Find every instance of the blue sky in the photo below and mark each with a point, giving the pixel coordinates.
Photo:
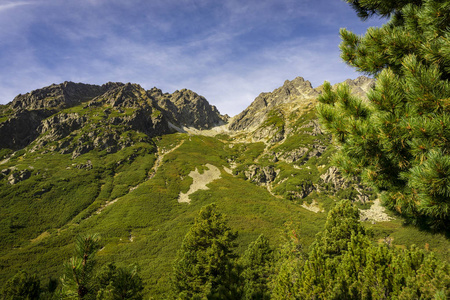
(226, 50)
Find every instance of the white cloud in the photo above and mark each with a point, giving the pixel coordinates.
(10, 5)
(99, 46)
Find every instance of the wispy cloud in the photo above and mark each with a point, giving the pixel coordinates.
(10, 5)
(227, 51)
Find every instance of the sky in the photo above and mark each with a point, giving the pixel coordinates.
(228, 51)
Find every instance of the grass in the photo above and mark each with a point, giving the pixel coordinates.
(41, 216)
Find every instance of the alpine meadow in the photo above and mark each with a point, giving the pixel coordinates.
(332, 192)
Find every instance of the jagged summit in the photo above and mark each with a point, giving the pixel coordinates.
(296, 92)
(61, 110)
(188, 109)
(59, 96)
(253, 115)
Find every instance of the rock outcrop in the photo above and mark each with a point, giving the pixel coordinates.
(296, 92)
(59, 96)
(21, 128)
(81, 117)
(255, 114)
(185, 108)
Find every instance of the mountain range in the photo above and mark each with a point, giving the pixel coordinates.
(136, 165)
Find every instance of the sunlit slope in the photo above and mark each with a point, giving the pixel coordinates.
(146, 224)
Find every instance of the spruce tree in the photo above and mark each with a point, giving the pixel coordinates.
(204, 264)
(399, 140)
(115, 283)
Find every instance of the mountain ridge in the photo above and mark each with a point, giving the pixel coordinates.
(118, 163)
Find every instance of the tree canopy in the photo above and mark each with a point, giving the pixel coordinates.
(204, 264)
(399, 140)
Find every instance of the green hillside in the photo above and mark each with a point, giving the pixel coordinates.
(130, 197)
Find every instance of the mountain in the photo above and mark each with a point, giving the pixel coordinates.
(136, 166)
(293, 93)
(99, 115)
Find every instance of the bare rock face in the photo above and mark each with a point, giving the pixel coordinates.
(125, 108)
(255, 114)
(261, 175)
(101, 115)
(333, 176)
(186, 108)
(293, 91)
(360, 86)
(59, 96)
(21, 128)
(29, 110)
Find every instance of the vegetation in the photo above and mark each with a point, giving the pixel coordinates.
(22, 286)
(257, 265)
(343, 263)
(77, 281)
(128, 194)
(398, 141)
(204, 264)
(146, 223)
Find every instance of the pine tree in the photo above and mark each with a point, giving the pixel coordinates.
(344, 264)
(115, 283)
(204, 264)
(257, 263)
(77, 281)
(22, 286)
(326, 251)
(288, 267)
(399, 140)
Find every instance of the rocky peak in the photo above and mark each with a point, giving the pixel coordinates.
(186, 108)
(294, 92)
(126, 95)
(361, 85)
(255, 114)
(60, 96)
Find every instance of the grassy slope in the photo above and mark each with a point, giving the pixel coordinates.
(150, 214)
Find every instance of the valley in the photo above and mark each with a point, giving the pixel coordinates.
(137, 166)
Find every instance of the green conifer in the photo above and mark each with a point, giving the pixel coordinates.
(204, 264)
(257, 263)
(77, 281)
(22, 286)
(115, 283)
(344, 264)
(399, 140)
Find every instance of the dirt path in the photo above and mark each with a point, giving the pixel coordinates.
(160, 158)
(200, 181)
(158, 163)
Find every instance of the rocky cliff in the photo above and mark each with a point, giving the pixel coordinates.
(255, 114)
(295, 162)
(185, 108)
(80, 117)
(298, 92)
(59, 96)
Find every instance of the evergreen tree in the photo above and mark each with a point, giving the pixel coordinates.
(344, 264)
(399, 140)
(204, 264)
(77, 281)
(257, 263)
(288, 268)
(326, 251)
(119, 283)
(22, 286)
